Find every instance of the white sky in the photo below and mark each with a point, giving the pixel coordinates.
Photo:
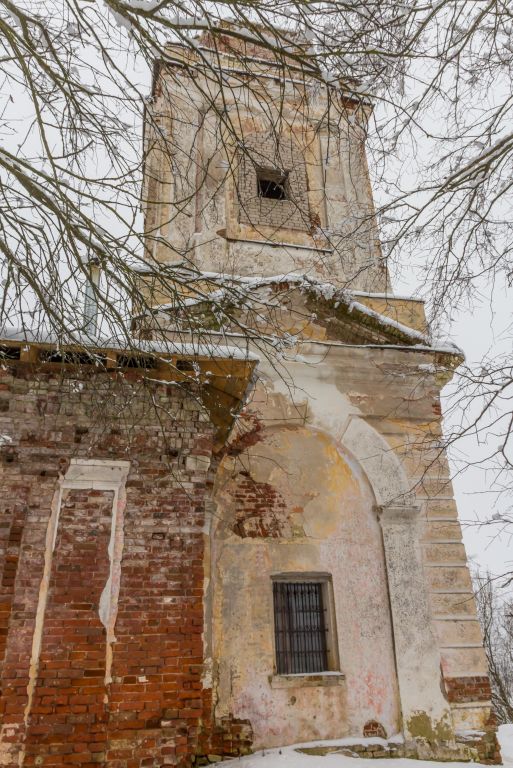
(491, 547)
(482, 328)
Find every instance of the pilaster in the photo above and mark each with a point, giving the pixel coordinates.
(426, 714)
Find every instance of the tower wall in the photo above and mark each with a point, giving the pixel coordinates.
(203, 154)
(393, 552)
(339, 358)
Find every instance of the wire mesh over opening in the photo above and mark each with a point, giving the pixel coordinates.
(300, 627)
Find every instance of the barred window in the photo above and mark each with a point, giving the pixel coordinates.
(301, 627)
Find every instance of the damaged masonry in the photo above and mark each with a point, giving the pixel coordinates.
(239, 554)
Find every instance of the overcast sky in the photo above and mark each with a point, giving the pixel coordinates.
(482, 332)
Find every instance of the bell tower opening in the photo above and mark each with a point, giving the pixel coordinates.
(272, 184)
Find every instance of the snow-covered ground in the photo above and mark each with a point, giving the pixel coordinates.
(506, 740)
(289, 757)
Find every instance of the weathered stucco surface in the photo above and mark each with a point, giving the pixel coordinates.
(339, 474)
(210, 225)
(337, 466)
(326, 523)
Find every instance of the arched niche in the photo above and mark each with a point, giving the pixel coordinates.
(378, 460)
(295, 501)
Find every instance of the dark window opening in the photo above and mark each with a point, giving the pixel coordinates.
(185, 365)
(300, 627)
(272, 185)
(9, 353)
(136, 361)
(72, 358)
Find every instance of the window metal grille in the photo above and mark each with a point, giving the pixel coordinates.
(300, 627)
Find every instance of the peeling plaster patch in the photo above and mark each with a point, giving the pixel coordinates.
(51, 536)
(332, 412)
(435, 732)
(108, 608)
(85, 474)
(328, 408)
(207, 672)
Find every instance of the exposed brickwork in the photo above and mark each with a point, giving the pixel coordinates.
(462, 690)
(261, 511)
(229, 737)
(485, 748)
(11, 530)
(152, 713)
(69, 711)
(264, 151)
(249, 432)
(374, 728)
(465, 689)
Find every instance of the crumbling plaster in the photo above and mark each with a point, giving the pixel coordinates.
(344, 465)
(207, 228)
(338, 464)
(328, 525)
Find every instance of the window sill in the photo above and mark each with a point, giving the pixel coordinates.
(310, 680)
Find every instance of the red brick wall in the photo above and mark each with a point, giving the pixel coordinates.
(261, 511)
(465, 689)
(11, 530)
(151, 714)
(69, 713)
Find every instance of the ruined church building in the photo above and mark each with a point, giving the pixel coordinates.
(178, 585)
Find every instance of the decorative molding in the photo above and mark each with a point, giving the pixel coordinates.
(317, 680)
(399, 514)
(94, 474)
(383, 468)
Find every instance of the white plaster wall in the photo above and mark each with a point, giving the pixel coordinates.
(329, 526)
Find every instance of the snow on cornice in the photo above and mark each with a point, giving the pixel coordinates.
(168, 347)
(324, 290)
(388, 296)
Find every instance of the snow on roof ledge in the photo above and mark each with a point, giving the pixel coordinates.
(389, 321)
(186, 349)
(388, 296)
(324, 290)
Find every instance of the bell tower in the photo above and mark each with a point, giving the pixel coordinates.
(333, 519)
(266, 176)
